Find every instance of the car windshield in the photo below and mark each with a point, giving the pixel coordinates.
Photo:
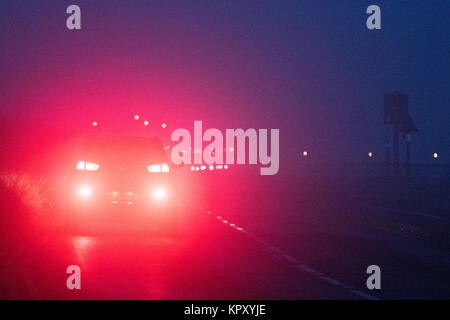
(124, 150)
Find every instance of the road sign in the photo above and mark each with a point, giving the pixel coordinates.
(396, 108)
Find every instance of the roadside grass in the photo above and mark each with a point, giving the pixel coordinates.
(22, 200)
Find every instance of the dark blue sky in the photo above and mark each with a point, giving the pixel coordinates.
(310, 68)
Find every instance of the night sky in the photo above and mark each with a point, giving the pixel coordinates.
(310, 68)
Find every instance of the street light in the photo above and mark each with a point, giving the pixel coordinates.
(305, 153)
(435, 155)
(370, 154)
(136, 117)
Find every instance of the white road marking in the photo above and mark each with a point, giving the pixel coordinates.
(279, 254)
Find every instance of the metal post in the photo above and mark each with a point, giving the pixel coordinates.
(388, 157)
(407, 160)
(396, 148)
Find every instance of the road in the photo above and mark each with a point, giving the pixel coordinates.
(219, 259)
(299, 247)
(215, 261)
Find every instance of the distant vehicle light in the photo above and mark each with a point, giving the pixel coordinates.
(146, 123)
(95, 123)
(85, 191)
(88, 166)
(164, 125)
(159, 193)
(136, 117)
(160, 167)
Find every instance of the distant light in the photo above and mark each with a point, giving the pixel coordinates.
(370, 154)
(305, 153)
(197, 168)
(225, 167)
(192, 168)
(202, 167)
(146, 123)
(435, 155)
(211, 167)
(164, 125)
(95, 123)
(136, 117)
(231, 149)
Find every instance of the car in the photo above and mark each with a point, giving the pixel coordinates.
(121, 180)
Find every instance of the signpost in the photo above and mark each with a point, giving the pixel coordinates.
(396, 113)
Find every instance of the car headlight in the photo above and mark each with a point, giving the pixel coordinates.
(85, 191)
(89, 166)
(159, 193)
(160, 167)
